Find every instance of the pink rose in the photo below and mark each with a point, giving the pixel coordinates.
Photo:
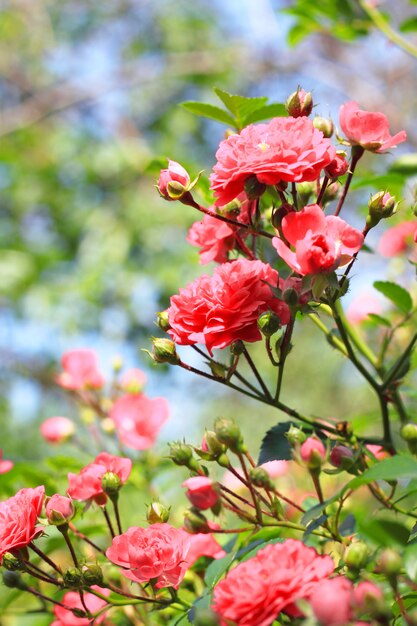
(321, 243)
(80, 370)
(201, 492)
(332, 602)
(157, 552)
(275, 469)
(59, 509)
(366, 595)
(338, 167)
(366, 129)
(203, 544)
(57, 429)
(175, 173)
(221, 309)
(285, 149)
(139, 419)
(214, 238)
(359, 309)
(254, 592)
(72, 599)
(5, 466)
(133, 380)
(396, 240)
(87, 484)
(312, 448)
(18, 517)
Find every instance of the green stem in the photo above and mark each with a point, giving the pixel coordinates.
(256, 373)
(334, 341)
(108, 521)
(381, 23)
(357, 152)
(284, 351)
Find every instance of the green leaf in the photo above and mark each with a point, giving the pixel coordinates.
(240, 106)
(409, 25)
(384, 532)
(393, 468)
(410, 561)
(275, 445)
(397, 294)
(217, 568)
(209, 110)
(266, 112)
(406, 164)
(378, 320)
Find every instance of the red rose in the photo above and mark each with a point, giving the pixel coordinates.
(157, 552)
(395, 240)
(223, 308)
(73, 601)
(200, 492)
(332, 601)
(87, 484)
(139, 419)
(257, 590)
(321, 243)
(285, 149)
(80, 370)
(366, 129)
(18, 517)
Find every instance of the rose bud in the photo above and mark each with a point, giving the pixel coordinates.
(324, 124)
(182, 454)
(269, 323)
(214, 446)
(57, 429)
(367, 597)
(409, 434)
(111, 484)
(12, 562)
(195, 522)
(332, 601)
(73, 578)
(338, 167)
(381, 205)
(201, 492)
(356, 555)
(389, 563)
(341, 457)
(253, 188)
(299, 103)
(162, 320)
(228, 432)
(13, 580)
(157, 513)
(164, 351)
(260, 478)
(59, 510)
(92, 575)
(173, 182)
(295, 435)
(313, 453)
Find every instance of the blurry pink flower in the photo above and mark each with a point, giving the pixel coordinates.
(57, 429)
(397, 239)
(201, 492)
(378, 451)
(139, 419)
(321, 243)
(80, 370)
(18, 517)
(365, 595)
(5, 466)
(361, 306)
(275, 469)
(367, 129)
(203, 544)
(175, 173)
(332, 602)
(157, 552)
(133, 380)
(87, 484)
(72, 600)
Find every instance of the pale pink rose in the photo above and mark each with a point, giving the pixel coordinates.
(359, 308)
(201, 492)
(133, 380)
(18, 517)
(367, 129)
(275, 469)
(139, 419)
(157, 552)
(57, 429)
(397, 239)
(332, 602)
(87, 484)
(80, 370)
(5, 466)
(72, 599)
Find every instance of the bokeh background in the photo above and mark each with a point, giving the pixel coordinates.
(90, 94)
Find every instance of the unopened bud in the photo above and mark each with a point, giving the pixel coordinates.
(182, 454)
(231, 209)
(276, 507)
(356, 555)
(332, 192)
(338, 167)
(389, 563)
(13, 580)
(162, 320)
(214, 446)
(299, 103)
(253, 188)
(157, 513)
(342, 457)
(260, 478)
(92, 575)
(59, 510)
(409, 432)
(237, 347)
(228, 432)
(291, 297)
(313, 453)
(164, 351)
(268, 323)
(381, 206)
(223, 460)
(173, 182)
(73, 578)
(324, 124)
(295, 435)
(111, 483)
(218, 369)
(195, 522)
(12, 563)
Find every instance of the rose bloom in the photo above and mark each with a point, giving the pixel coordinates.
(321, 243)
(257, 590)
(57, 429)
(72, 600)
(157, 552)
(214, 238)
(87, 484)
(133, 380)
(174, 173)
(80, 370)
(359, 309)
(367, 129)
(203, 544)
(200, 492)
(139, 419)
(332, 602)
(285, 149)
(220, 309)
(5, 466)
(397, 239)
(18, 517)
